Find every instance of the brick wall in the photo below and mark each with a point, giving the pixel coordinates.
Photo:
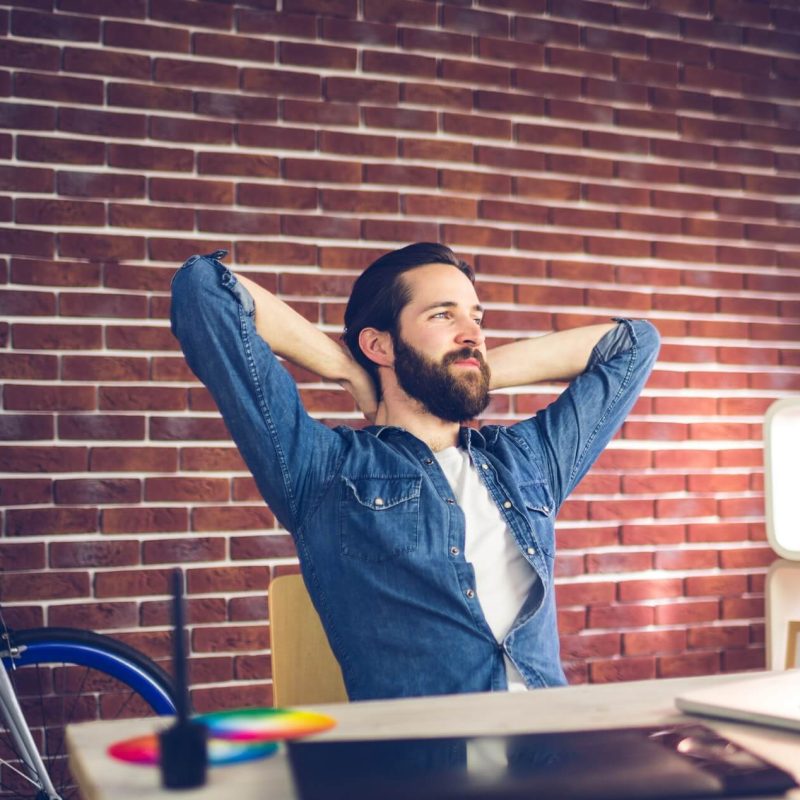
(590, 158)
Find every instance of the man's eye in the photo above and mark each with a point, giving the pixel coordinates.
(478, 322)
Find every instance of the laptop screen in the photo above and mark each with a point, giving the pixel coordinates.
(674, 761)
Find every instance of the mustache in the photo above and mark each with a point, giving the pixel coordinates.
(464, 353)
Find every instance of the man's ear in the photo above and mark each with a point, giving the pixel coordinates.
(377, 346)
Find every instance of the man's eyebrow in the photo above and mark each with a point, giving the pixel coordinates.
(450, 304)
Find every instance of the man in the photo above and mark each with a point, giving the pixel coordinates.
(427, 547)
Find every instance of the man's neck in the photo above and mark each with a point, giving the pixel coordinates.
(437, 433)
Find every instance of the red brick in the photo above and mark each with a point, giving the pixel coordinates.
(144, 520)
(550, 295)
(590, 645)
(649, 589)
(227, 579)
(231, 518)
(190, 191)
(54, 26)
(25, 491)
(688, 664)
(188, 550)
(275, 253)
(202, 14)
(198, 610)
(66, 555)
(100, 426)
(622, 669)
(27, 243)
(240, 48)
(106, 62)
(229, 106)
(620, 616)
(649, 643)
(99, 246)
(260, 547)
(58, 212)
(691, 611)
(738, 660)
(97, 490)
(589, 594)
(210, 670)
(22, 556)
(58, 87)
(549, 242)
(44, 586)
(140, 157)
(364, 33)
(358, 90)
(136, 36)
(32, 148)
(28, 367)
(245, 489)
(151, 97)
(133, 459)
(437, 41)
(30, 55)
(131, 583)
(49, 521)
(236, 222)
(400, 231)
(618, 562)
(429, 94)
(185, 130)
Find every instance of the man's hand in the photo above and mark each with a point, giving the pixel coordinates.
(360, 386)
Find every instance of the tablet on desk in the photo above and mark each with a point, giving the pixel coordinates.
(679, 761)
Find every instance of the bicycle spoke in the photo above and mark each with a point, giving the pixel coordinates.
(60, 676)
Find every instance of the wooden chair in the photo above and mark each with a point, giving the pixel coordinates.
(304, 669)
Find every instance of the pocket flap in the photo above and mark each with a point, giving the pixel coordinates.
(380, 494)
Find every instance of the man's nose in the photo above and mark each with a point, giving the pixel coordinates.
(471, 333)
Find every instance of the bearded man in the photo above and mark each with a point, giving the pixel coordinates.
(427, 547)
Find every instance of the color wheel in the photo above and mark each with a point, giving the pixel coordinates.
(234, 736)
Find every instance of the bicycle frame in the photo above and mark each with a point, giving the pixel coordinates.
(20, 733)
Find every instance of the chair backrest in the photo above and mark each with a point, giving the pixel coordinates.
(304, 669)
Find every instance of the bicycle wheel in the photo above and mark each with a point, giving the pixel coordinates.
(65, 675)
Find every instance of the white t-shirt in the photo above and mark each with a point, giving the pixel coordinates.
(503, 577)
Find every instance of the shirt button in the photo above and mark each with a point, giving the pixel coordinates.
(450, 501)
(531, 551)
(507, 504)
(470, 593)
(454, 551)
(428, 461)
(378, 501)
(484, 466)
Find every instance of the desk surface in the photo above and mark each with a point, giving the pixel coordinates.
(568, 708)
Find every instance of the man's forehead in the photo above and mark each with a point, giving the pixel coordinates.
(440, 284)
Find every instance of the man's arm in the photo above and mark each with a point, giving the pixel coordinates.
(294, 338)
(556, 356)
(571, 431)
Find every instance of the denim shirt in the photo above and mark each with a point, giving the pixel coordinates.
(378, 532)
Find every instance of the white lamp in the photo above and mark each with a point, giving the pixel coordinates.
(782, 476)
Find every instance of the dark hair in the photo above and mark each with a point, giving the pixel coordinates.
(379, 294)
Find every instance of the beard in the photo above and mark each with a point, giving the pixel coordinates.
(443, 393)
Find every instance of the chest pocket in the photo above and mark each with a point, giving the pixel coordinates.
(539, 509)
(379, 517)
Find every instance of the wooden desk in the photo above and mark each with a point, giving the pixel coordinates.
(568, 708)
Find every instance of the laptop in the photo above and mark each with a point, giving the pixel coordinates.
(772, 700)
(656, 763)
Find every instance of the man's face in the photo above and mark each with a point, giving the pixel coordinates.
(439, 348)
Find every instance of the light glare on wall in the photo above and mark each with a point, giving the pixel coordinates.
(782, 476)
